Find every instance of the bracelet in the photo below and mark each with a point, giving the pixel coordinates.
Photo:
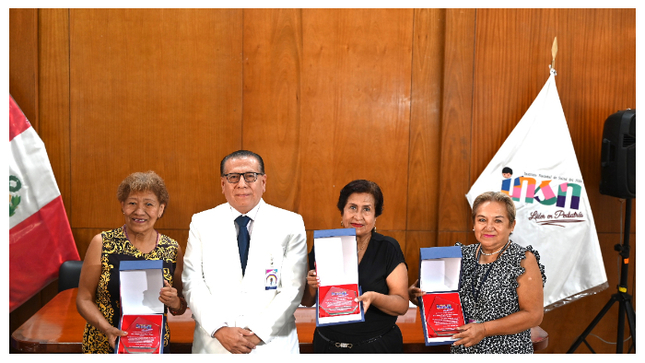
(182, 307)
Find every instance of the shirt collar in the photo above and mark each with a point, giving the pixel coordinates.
(251, 214)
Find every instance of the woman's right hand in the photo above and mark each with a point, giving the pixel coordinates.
(309, 297)
(414, 292)
(312, 279)
(112, 333)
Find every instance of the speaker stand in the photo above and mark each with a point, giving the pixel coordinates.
(624, 300)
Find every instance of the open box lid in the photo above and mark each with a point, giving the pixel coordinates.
(141, 281)
(336, 256)
(440, 269)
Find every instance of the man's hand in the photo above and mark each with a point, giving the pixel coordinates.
(253, 339)
(236, 340)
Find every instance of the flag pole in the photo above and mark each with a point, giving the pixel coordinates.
(554, 52)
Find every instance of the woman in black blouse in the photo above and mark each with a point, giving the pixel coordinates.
(383, 278)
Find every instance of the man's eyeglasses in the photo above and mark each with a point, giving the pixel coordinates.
(249, 177)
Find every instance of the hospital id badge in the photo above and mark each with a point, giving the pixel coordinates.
(271, 279)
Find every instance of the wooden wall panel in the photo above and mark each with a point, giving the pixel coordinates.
(600, 80)
(83, 236)
(153, 90)
(456, 121)
(272, 87)
(425, 120)
(23, 61)
(355, 110)
(54, 97)
(510, 53)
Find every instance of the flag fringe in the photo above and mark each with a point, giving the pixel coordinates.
(578, 296)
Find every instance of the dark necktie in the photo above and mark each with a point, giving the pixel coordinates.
(243, 239)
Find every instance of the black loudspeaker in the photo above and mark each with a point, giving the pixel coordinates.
(618, 155)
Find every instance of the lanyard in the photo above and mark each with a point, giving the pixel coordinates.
(490, 266)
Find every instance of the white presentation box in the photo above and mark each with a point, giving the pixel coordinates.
(141, 311)
(439, 276)
(337, 269)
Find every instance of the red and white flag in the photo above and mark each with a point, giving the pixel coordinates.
(538, 168)
(40, 238)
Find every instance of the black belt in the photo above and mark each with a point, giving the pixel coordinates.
(351, 345)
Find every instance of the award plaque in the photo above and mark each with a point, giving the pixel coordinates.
(142, 311)
(439, 279)
(339, 301)
(143, 336)
(443, 315)
(336, 261)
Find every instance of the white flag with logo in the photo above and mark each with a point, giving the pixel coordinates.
(538, 168)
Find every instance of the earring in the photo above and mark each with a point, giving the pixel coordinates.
(341, 224)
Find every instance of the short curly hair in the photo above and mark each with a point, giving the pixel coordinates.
(141, 182)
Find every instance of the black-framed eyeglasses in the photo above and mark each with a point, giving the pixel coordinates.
(249, 177)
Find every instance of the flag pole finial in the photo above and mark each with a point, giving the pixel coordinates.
(554, 52)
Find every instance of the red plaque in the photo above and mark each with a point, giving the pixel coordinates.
(443, 314)
(144, 336)
(338, 300)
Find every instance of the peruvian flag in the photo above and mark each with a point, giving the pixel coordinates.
(40, 238)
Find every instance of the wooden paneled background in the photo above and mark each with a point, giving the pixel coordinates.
(418, 100)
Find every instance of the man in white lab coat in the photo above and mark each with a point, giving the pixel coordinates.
(245, 306)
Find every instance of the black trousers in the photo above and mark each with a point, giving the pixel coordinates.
(390, 342)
